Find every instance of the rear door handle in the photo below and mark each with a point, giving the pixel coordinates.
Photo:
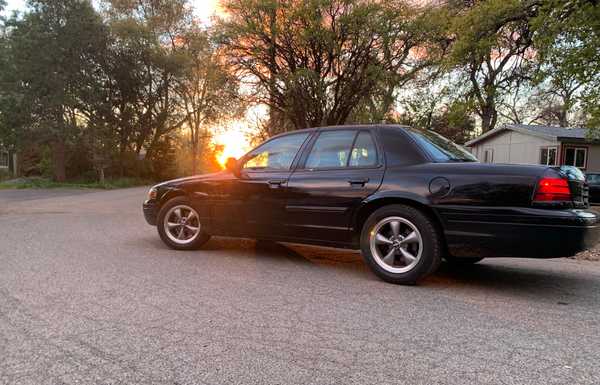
(358, 182)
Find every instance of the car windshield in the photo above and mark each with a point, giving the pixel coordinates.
(440, 148)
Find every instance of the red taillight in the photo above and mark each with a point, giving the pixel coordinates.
(552, 190)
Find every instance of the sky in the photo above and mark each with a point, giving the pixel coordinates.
(13, 5)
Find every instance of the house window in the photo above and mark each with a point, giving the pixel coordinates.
(576, 156)
(548, 156)
(488, 155)
(4, 159)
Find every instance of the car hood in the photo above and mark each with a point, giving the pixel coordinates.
(196, 178)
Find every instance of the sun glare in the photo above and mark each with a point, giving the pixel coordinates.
(205, 9)
(234, 142)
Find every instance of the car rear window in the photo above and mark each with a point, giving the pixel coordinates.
(439, 148)
(331, 150)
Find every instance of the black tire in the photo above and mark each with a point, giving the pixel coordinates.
(198, 241)
(467, 261)
(431, 243)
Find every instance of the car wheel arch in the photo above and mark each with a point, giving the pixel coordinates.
(371, 206)
(170, 194)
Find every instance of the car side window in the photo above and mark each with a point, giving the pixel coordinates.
(364, 153)
(331, 149)
(276, 154)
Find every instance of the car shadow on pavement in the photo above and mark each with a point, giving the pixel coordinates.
(544, 282)
(301, 255)
(561, 286)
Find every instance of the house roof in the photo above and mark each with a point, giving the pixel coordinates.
(546, 132)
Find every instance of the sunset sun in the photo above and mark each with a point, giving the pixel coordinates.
(234, 142)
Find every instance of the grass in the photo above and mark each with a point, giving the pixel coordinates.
(42, 183)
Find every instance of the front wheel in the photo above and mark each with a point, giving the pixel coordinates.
(401, 244)
(179, 225)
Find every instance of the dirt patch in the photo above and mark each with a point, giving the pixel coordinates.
(589, 255)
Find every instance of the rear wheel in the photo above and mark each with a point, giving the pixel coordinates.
(179, 225)
(401, 244)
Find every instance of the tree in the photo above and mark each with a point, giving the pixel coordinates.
(568, 41)
(312, 62)
(53, 67)
(439, 110)
(207, 92)
(143, 67)
(492, 48)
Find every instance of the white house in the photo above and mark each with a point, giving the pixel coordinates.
(533, 144)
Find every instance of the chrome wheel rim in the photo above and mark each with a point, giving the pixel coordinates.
(182, 224)
(396, 244)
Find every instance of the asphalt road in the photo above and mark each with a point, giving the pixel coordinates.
(89, 295)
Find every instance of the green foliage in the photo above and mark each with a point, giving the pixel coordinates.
(45, 163)
(568, 40)
(436, 110)
(491, 48)
(102, 90)
(52, 76)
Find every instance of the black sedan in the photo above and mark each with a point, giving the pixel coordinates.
(406, 198)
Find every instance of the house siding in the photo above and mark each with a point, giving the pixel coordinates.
(514, 147)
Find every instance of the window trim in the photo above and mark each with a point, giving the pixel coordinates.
(310, 146)
(245, 158)
(7, 160)
(575, 147)
(556, 159)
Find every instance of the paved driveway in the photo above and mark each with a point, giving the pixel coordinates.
(88, 294)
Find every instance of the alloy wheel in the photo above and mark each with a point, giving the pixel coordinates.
(182, 224)
(396, 244)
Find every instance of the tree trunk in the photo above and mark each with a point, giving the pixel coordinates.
(58, 160)
(489, 117)
(194, 159)
(121, 163)
(563, 120)
(272, 128)
(101, 177)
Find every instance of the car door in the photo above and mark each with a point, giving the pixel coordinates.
(253, 204)
(339, 169)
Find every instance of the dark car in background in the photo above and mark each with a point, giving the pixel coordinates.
(593, 181)
(406, 198)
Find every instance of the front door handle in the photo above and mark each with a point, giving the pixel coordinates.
(274, 183)
(358, 182)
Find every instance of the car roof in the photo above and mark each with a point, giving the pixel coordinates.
(343, 127)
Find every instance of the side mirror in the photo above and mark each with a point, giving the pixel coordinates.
(231, 165)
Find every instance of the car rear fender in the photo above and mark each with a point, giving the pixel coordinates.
(383, 198)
